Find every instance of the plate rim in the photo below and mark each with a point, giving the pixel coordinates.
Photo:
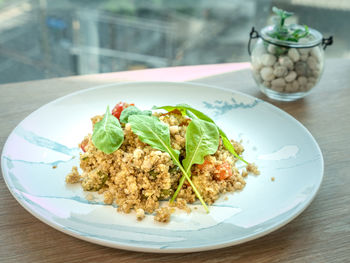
(139, 248)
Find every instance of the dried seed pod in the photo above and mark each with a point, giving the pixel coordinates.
(267, 73)
(293, 54)
(268, 59)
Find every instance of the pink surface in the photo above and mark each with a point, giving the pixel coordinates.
(175, 74)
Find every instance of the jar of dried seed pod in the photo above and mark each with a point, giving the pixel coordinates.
(286, 70)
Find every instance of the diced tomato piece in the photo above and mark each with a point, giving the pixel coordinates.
(223, 171)
(185, 122)
(117, 110)
(204, 164)
(186, 183)
(83, 144)
(175, 111)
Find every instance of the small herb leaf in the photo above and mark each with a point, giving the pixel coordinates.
(132, 110)
(202, 139)
(108, 135)
(153, 132)
(171, 108)
(282, 13)
(284, 32)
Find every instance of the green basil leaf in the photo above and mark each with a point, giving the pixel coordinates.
(171, 108)
(188, 110)
(202, 139)
(132, 110)
(108, 135)
(152, 131)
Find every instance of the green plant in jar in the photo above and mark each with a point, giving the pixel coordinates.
(286, 33)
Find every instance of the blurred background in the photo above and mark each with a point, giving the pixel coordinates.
(48, 38)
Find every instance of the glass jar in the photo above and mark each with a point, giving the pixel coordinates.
(286, 70)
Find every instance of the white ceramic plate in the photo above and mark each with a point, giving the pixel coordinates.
(280, 146)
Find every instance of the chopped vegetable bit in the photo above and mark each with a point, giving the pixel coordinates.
(176, 111)
(223, 171)
(153, 174)
(94, 180)
(165, 193)
(83, 144)
(204, 164)
(117, 110)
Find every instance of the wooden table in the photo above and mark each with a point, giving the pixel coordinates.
(320, 234)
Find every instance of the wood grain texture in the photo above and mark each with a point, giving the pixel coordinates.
(320, 234)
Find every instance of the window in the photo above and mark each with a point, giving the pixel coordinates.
(47, 38)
